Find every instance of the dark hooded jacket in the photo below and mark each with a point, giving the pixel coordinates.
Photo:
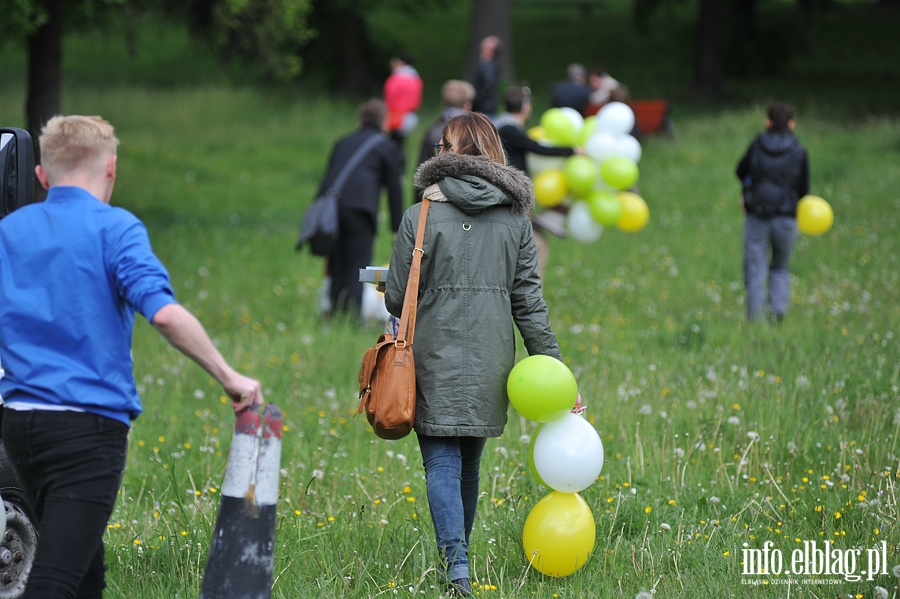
(775, 174)
(479, 276)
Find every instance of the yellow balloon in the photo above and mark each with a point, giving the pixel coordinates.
(550, 188)
(635, 213)
(537, 133)
(559, 534)
(814, 215)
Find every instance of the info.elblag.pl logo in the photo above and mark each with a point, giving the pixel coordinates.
(815, 559)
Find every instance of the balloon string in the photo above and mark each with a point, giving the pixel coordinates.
(579, 408)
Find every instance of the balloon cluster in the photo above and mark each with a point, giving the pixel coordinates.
(565, 455)
(597, 181)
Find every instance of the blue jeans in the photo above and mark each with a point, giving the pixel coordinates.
(451, 479)
(71, 465)
(762, 235)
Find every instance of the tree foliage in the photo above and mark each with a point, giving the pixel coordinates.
(268, 33)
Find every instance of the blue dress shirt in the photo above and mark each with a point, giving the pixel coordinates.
(73, 271)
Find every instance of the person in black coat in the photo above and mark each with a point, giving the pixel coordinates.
(517, 144)
(358, 205)
(573, 92)
(774, 173)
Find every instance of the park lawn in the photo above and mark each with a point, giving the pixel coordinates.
(719, 436)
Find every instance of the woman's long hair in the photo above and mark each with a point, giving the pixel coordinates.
(474, 134)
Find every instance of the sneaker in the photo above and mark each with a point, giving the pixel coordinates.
(461, 587)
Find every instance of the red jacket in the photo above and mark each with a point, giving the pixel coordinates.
(402, 95)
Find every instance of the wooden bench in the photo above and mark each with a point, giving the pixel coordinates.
(653, 117)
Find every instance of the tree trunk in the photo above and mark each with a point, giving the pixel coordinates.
(45, 70)
(708, 68)
(357, 77)
(44, 96)
(491, 17)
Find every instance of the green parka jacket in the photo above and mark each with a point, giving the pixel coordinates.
(479, 276)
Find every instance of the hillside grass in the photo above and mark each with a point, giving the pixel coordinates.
(717, 433)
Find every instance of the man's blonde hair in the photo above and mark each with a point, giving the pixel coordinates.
(456, 93)
(75, 142)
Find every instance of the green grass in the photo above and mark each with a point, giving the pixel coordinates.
(651, 324)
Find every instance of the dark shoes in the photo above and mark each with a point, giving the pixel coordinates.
(461, 587)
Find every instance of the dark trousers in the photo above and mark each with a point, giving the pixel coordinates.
(353, 251)
(71, 465)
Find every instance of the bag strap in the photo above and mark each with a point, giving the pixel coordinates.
(407, 326)
(354, 161)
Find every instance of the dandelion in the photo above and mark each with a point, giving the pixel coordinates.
(896, 571)
(881, 593)
(525, 439)
(318, 474)
(645, 410)
(753, 436)
(665, 527)
(679, 452)
(714, 500)
(644, 595)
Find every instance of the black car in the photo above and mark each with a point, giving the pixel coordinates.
(18, 534)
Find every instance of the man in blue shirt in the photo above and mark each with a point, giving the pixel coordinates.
(73, 271)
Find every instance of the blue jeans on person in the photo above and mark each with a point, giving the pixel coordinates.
(451, 479)
(775, 234)
(70, 465)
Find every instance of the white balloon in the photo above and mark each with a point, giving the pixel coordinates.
(575, 117)
(537, 163)
(581, 224)
(628, 147)
(616, 118)
(568, 454)
(601, 145)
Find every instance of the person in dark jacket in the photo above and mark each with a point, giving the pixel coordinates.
(486, 77)
(774, 173)
(478, 277)
(573, 92)
(358, 205)
(517, 143)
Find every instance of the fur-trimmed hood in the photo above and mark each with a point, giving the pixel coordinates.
(452, 173)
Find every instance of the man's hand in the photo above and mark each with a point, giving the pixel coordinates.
(243, 391)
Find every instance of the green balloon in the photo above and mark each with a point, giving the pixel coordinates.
(542, 388)
(619, 173)
(559, 128)
(606, 208)
(587, 130)
(531, 465)
(581, 174)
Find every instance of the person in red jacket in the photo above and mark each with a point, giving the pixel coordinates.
(402, 97)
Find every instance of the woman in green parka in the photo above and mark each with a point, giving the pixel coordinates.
(479, 276)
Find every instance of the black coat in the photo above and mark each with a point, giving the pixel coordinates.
(775, 174)
(382, 167)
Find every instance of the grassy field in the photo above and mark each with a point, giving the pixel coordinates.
(719, 436)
